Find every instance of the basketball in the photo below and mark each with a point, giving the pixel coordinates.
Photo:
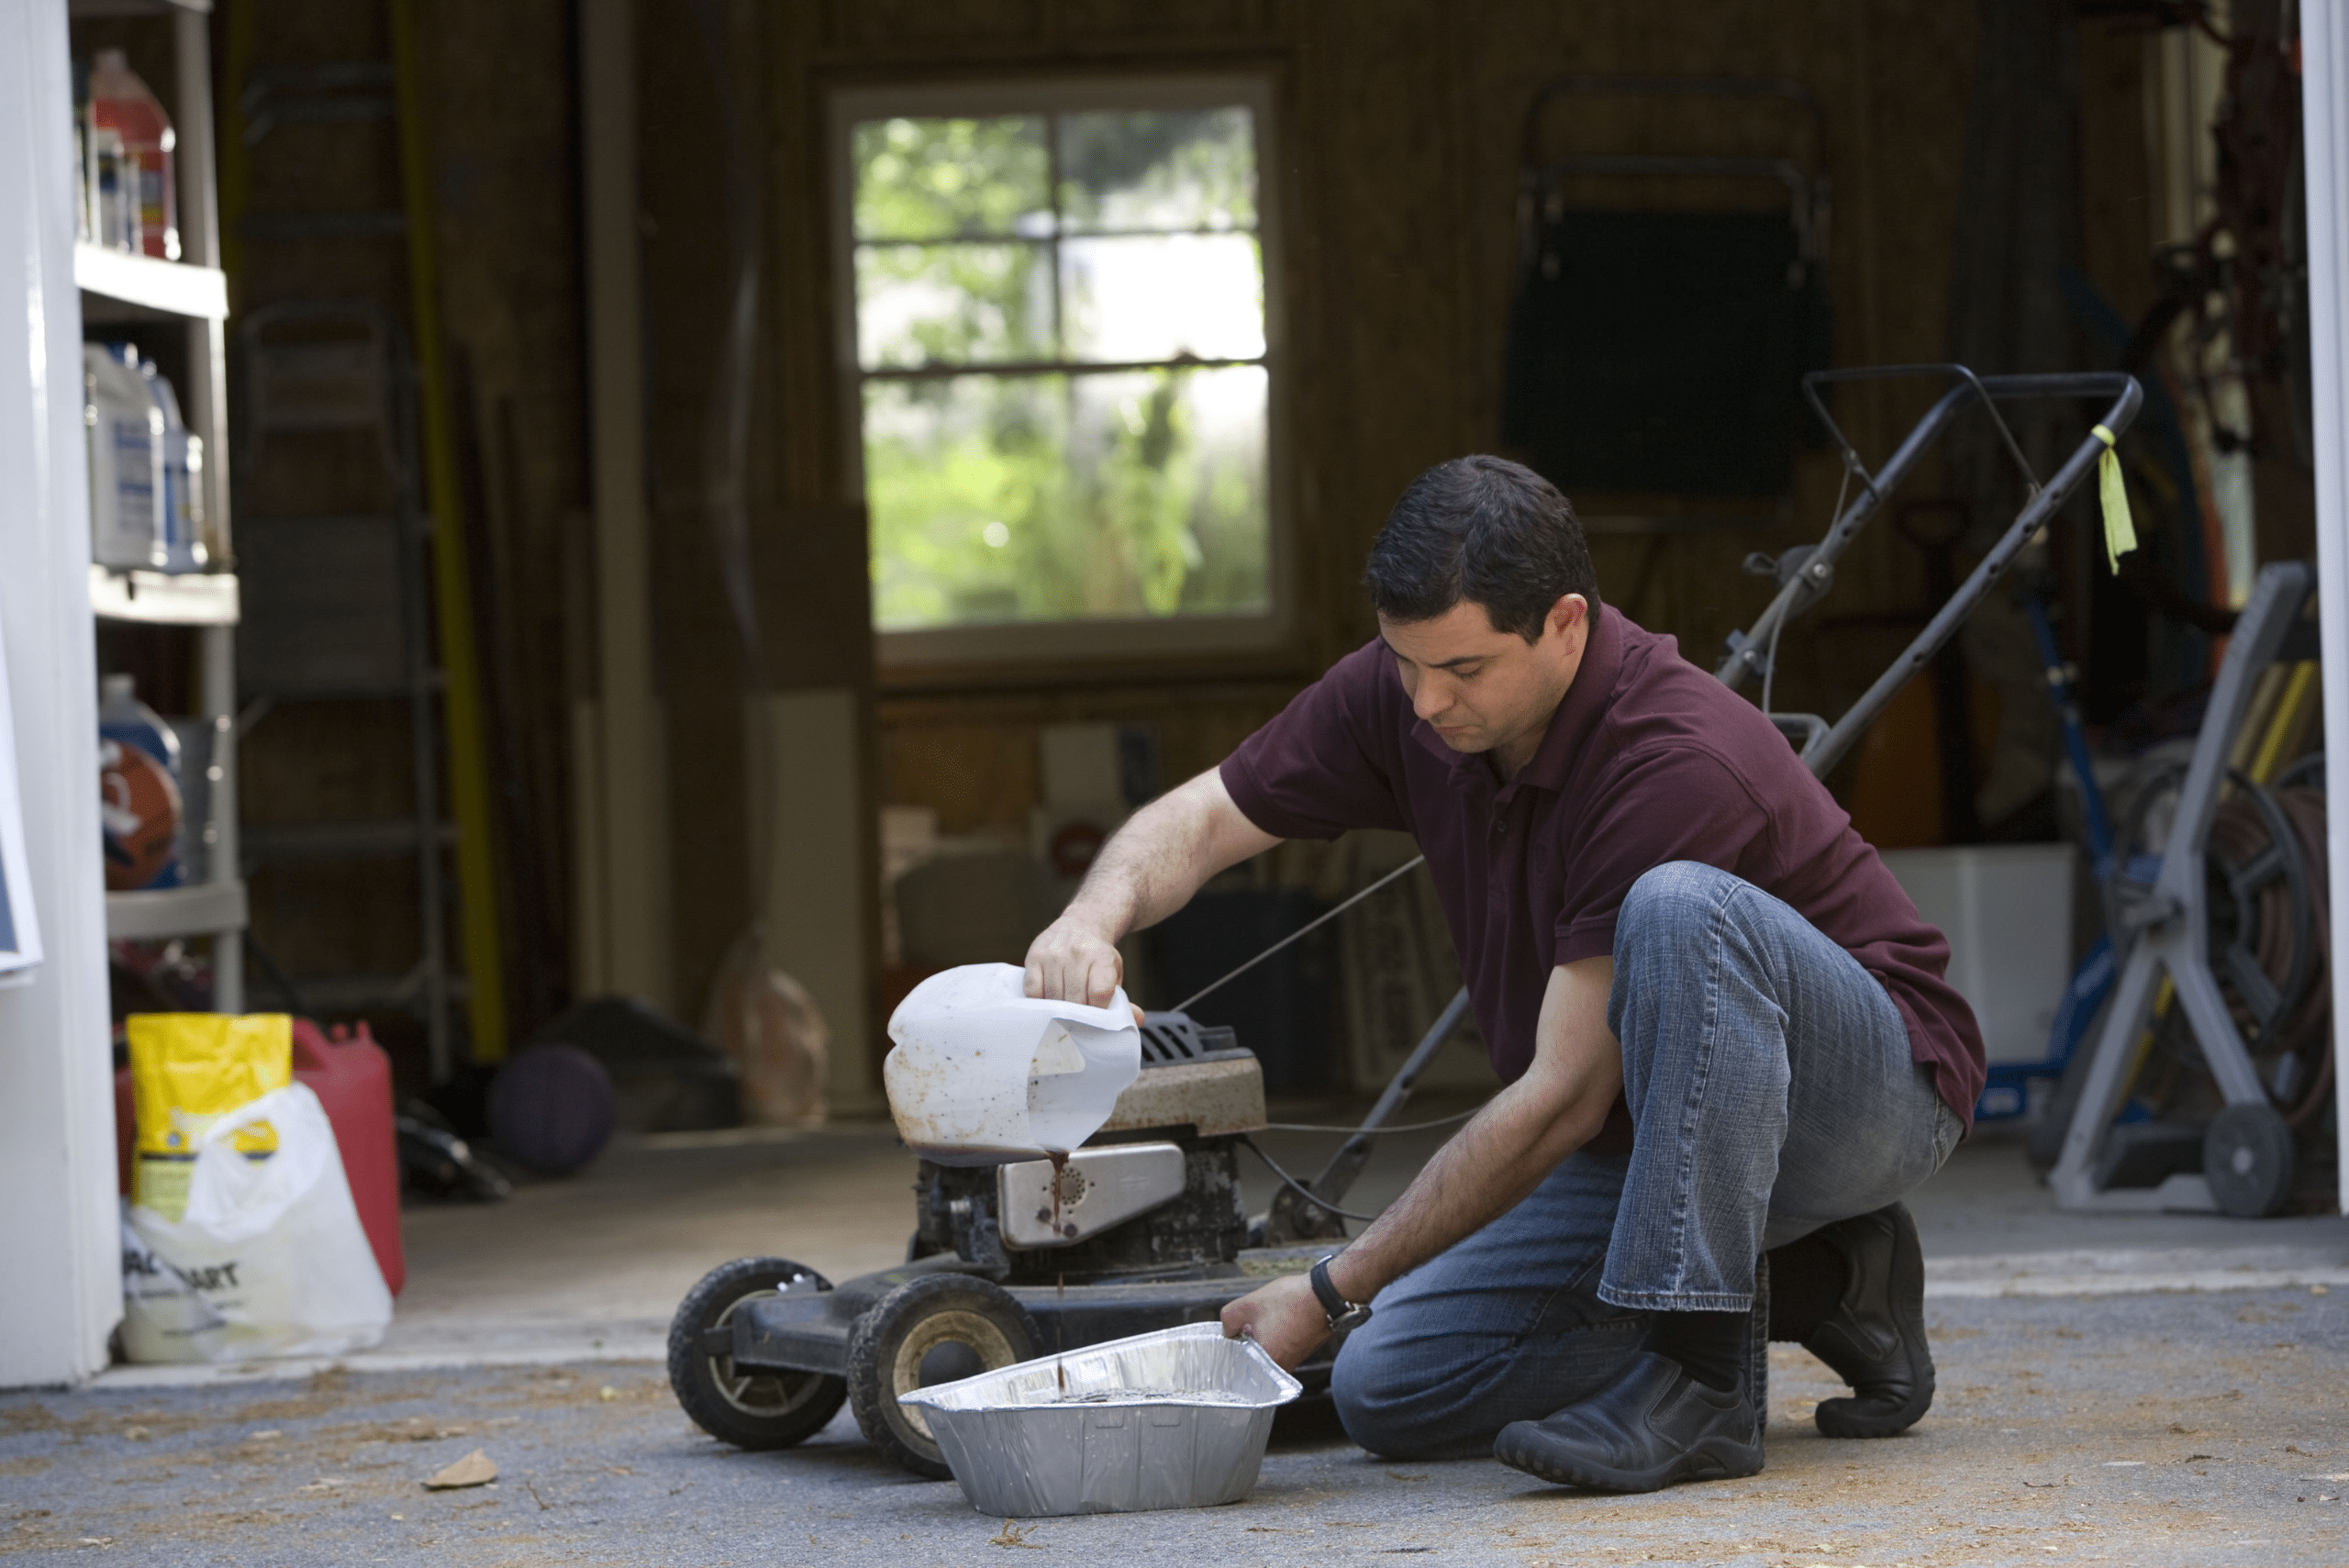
(552, 1107)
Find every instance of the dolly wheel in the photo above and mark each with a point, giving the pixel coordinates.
(2247, 1160)
(753, 1407)
(931, 1330)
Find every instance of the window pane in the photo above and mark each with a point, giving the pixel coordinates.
(1003, 498)
(957, 473)
(1185, 168)
(1160, 297)
(943, 179)
(925, 305)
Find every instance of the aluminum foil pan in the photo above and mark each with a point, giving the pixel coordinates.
(1173, 1419)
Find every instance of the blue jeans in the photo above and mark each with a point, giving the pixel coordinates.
(1771, 1091)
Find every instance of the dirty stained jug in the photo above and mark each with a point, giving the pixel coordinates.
(980, 1074)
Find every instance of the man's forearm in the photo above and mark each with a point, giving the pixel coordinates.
(1153, 865)
(1486, 1169)
(1148, 870)
(1501, 1156)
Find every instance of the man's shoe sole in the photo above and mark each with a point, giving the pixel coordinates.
(1857, 1418)
(1715, 1459)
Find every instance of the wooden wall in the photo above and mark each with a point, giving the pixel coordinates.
(1396, 175)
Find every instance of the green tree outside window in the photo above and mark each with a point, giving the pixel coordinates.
(1061, 340)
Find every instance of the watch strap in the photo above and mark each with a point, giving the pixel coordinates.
(1325, 1290)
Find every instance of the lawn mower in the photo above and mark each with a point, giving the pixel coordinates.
(1143, 1227)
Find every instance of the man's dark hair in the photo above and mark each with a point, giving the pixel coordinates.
(1486, 530)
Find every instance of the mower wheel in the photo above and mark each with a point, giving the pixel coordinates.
(751, 1408)
(934, 1329)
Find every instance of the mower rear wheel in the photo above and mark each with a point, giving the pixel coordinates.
(750, 1407)
(934, 1329)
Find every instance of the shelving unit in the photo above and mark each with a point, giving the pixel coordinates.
(157, 287)
(117, 287)
(157, 599)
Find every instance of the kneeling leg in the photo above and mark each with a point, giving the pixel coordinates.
(1507, 1326)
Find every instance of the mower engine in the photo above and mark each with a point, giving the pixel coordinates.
(1157, 1189)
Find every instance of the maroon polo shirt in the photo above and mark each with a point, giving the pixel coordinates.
(1648, 760)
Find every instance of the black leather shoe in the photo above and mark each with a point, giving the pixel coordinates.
(1874, 1338)
(1653, 1425)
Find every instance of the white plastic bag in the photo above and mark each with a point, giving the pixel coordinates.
(269, 1259)
(983, 1073)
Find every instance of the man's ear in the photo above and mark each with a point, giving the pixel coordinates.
(1570, 616)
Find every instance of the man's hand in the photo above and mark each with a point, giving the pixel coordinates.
(1072, 960)
(1148, 870)
(1284, 1317)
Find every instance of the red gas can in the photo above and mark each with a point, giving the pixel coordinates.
(352, 1078)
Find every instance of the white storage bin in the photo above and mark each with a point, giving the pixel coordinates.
(2006, 910)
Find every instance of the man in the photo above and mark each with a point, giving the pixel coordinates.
(1721, 1025)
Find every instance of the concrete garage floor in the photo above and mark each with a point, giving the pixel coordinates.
(2143, 1390)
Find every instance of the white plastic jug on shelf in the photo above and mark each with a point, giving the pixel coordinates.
(981, 1073)
(124, 428)
(184, 545)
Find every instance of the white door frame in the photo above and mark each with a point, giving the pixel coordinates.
(2325, 102)
(59, 1226)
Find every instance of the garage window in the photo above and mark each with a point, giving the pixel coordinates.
(1063, 367)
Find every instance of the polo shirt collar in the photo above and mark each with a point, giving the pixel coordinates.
(1578, 714)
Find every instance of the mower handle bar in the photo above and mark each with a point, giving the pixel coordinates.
(1805, 586)
(1825, 744)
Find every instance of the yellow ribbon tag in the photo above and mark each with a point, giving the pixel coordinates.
(2120, 531)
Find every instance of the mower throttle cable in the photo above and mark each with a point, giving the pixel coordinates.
(1299, 1188)
(1185, 1005)
(1375, 1132)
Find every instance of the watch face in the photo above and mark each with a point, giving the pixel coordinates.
(1353, 1317)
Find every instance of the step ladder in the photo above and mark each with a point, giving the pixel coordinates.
(420, 576)
(336, 609)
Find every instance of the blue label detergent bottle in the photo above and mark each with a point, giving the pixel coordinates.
(139, 773)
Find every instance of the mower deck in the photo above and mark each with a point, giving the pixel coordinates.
(806, 1330)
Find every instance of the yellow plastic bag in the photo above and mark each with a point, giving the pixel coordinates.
(187, 1070)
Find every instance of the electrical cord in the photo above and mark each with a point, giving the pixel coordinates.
(1299, 1188)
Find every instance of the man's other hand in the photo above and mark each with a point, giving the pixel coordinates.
(1070, 961)
(1284, 1317)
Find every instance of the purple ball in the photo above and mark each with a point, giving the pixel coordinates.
(552, 1107)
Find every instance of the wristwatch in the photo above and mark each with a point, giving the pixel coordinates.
(1344, 1315)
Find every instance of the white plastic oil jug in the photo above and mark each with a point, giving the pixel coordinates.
(184, 545)
(125, 435)
(981, 1073)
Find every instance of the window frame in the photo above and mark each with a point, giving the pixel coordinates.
(1120, 639)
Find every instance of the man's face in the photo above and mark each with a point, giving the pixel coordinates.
(1483, 690)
